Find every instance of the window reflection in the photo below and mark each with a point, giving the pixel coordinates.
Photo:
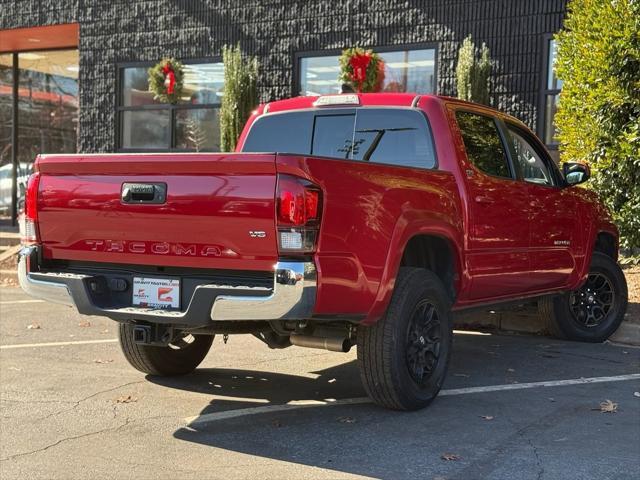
(190, 124)
(145, 129)
(551, 97)
(405, 71)
(6, 115)
(198, 129)
(47, 113)
(47, 103)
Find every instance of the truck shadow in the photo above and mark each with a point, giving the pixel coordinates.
(248, 388)
(367, 440)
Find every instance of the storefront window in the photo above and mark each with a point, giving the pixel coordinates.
(551, 94)
(47, 114)
(405, 71)
(189, 125)
(6, 130)
(47, 103)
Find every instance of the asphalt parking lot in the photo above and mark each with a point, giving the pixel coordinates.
(522, 407)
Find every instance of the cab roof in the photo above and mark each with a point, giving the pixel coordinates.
(365, 99)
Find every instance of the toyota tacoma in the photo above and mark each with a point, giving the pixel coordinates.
(340, 220)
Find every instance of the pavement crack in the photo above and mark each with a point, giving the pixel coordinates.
(77, 403)
(590, 357)
(67, 439)
(538, 462)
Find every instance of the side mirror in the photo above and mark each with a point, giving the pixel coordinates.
(575, 173)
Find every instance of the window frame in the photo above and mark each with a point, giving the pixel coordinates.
(171, 108)
(299, 55)
(545, 91)
(538, 147)
(497, 121)
(336, 110)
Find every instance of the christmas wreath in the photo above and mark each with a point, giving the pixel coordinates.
(362, 69)
(166, 80)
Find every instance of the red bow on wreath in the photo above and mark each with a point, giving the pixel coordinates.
(169, 78)
(359, 64)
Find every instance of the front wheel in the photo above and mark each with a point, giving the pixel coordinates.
(593, 312)
(180, 357)
(403, 358)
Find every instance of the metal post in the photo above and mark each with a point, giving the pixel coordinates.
(14, 144)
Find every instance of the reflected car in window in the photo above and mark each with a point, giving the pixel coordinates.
(6, 181)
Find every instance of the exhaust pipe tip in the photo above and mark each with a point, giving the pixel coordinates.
(333, 344)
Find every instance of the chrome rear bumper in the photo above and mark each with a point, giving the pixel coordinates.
(291, 298)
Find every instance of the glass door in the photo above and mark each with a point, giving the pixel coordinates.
(46, 116)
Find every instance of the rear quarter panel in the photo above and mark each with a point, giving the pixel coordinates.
(369, 213)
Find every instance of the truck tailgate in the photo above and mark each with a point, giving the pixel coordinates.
(218, 212)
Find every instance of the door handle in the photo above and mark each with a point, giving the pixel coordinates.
(483, 199)
(143, 193)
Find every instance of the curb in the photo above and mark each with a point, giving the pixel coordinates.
(628, 334)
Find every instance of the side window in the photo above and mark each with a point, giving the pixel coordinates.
(267, 134)
(483, 144)
(395, 137)
(532, 166)
(333, 135)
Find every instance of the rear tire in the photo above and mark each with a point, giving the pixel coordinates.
(592, 313)
(403, 358)
(178, 358)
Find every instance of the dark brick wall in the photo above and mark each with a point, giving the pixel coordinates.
(146, 30)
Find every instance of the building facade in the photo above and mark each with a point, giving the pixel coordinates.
(62, 91)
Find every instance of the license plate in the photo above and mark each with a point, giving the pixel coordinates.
(156, 292)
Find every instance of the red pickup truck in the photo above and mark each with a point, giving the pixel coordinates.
(341, 220)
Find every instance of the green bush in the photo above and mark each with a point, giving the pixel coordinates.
(472, 73)
(240, 95)
(598, 117)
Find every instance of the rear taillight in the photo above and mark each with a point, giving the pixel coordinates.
(298, 209)
(29, 228)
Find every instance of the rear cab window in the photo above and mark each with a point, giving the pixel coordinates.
(393, 136)
(483, 144)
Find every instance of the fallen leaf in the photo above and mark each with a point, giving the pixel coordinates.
(99, 360)
(347, 420)
(487, 417)
(450, 457)
(126, 399)
(636, 394)
(276, 423)
(34, 326)
(608, 407)
(86, 323)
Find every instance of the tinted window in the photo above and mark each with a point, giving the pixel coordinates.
(392, 136)
(281, 132)
(483, 144)
(532, 166)
(333, 136)
(396, 137)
